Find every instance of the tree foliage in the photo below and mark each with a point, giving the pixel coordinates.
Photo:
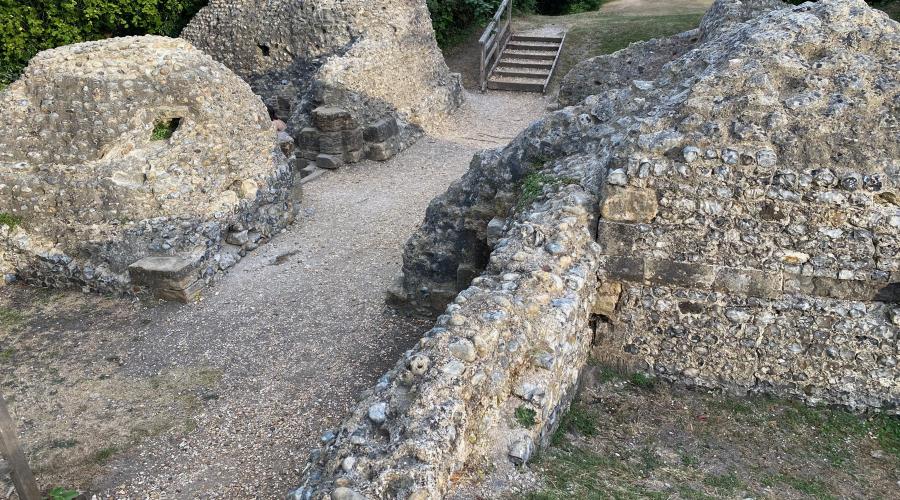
(454, 19)
(29, 26)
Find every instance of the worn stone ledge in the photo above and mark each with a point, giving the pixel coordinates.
(746, 282)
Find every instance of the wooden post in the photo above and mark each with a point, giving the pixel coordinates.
(20, 473)
(481, 78)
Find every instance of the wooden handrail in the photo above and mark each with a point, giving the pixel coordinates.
(493, 40)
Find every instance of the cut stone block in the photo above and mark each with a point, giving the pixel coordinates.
(354, 156)
(308, 138)
(330, 162)
(382, 151)
(171, 278)
(329, 119)
(353, 139)
(165, 272)
(382, 130)
(627, 204)
(331, 142)
(183, 295)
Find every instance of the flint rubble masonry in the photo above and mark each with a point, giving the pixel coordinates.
(107, 206)
(749, 240)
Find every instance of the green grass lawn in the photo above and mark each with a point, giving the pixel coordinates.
(604, 32)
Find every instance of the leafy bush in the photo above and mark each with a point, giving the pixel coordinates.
(556, 7)
(454, 19)
(29, 27)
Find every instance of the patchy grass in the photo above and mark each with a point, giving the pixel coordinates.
(670, 442)
(164, 129)
(725, 483)
(525, 416)
(103, 455)
(9, 318)
(577, 419)
(811, 487)
(532, 187)
(9, 220)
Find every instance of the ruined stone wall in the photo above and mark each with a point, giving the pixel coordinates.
(513, 341)
(376, 59)
(93, 191)
(737, 226)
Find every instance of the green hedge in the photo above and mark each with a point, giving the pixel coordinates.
(34, 25)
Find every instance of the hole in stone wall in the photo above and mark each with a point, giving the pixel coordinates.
(163, 129)
(264, 50)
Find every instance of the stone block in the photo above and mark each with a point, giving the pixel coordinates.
(286, 143)
(353, 156)
(331, 119)
(308, 154)
(628, 204)
(308, 138)
(165, 272)
(617, 238)
(749, 282)
(353, 139)
(684, 274)
(184, 295)
(382, 130)
(625, 268)
(331, 142)
(329, 162)
(381, 151)
(495, 231)
(608, 293)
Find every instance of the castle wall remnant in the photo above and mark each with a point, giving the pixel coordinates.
(136, 163)
(732, 222)
(376, 60)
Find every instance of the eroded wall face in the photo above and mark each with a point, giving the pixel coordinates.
(129, 148)
(376, 59)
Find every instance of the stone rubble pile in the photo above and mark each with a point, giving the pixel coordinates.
(136, 163)
(376, 60)
(737, 226)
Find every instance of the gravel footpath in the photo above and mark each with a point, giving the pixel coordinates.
(299, 327)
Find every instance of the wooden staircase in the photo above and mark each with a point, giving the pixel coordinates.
(526, 63)
(522, 62)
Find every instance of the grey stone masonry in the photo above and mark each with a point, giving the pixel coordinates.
(730, 220)
(130, 149)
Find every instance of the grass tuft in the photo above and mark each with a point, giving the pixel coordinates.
(525, 416)
(104, 454)
(9, 220)
(577, 419)
(642, 380)
(164, 129)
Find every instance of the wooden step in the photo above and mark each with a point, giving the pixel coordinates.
(520, 84)
(522, 72)
(533, 46)
(528, 38)
(527, 54)
(525, 63)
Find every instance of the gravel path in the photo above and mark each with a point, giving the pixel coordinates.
(299, 327)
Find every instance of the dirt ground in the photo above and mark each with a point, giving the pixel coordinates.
(225, 398)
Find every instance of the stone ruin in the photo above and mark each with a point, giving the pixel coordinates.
(135, 164)
(730, 219)
(352, 79)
